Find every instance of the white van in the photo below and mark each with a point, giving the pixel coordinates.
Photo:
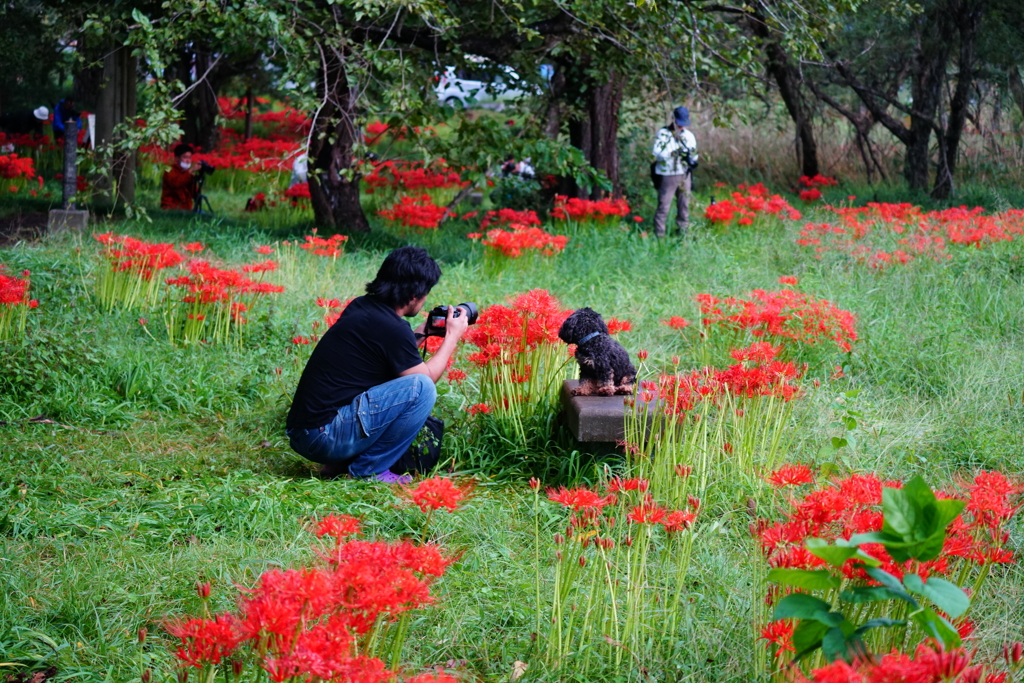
(473, 85)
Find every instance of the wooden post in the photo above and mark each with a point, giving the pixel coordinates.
(70, 163)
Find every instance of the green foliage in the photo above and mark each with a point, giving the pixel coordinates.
(914, 527)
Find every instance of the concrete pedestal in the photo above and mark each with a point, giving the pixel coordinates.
(593, 418)
(67, 220)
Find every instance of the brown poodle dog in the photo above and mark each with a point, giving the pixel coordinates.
(605, 369)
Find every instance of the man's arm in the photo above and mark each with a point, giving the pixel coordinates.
(438, 363)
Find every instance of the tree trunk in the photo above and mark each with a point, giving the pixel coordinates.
(117, 104)
(1016, 87)
(968, 19)
(788, 79)
(553, 113)
(333, 182)
(604, 104)
(248, 113)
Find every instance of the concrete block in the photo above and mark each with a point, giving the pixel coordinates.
(594, 418)
(67, 220)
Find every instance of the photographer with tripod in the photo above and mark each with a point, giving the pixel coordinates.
(675, 157)
(365, 392)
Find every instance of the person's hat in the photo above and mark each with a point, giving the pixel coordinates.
(682, 116)
(41, 113)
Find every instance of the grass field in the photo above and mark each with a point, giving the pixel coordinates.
(131, 469)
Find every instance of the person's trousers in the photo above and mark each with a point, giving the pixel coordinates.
(370, 434)
(677, 186)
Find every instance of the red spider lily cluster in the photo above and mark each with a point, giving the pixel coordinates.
(412, 177)
(615, 326)
(509, 217)
(784, 317)
(929, 664)
(520, 239)
(744, 209)
(633, 549)
(586, 212)
(14, 303)
(321, 623)
(132, 264)
(13, 167)
(29, 141)
(880, 235)
(333, 246)
(974, 541)
(415, 212)
(520, 357)
(216, 301)
(256, 155)
(333, 309)
(811, 186)
(298, 194)
(435, 493)
(758, 375)
(285, 122)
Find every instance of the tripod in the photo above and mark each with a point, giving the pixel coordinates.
(200, 198)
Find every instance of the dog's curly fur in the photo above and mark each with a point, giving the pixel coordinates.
(605, 368)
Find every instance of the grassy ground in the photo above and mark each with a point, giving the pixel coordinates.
(153, 467)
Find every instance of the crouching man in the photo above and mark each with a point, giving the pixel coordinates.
(365, 392)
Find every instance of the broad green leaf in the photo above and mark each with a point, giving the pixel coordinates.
(901, 514)
(879, 623)
(869, 594)
(833, 645)
(799, 606)
(936, 627)
(819, 579)
(945, 595)
(892, 583)
(837, 555)
(807, 638)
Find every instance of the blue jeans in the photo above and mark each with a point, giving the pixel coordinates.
(370, 434)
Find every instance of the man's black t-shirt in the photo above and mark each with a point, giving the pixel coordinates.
(369, 345)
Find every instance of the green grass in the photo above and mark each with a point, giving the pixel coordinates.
(162, 466)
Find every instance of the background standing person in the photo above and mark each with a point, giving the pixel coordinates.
(365, 393)
(178, 186)
(675, 156)
(64, 111)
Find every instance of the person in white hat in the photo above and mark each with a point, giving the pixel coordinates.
(25, 121)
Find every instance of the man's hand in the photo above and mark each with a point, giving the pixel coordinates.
(455, 327)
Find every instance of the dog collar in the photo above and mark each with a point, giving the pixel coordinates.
(590, 336)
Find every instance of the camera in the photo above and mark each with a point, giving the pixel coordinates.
(437, 318)
(205, 168)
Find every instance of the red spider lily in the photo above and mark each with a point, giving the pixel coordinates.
(745, 208)
(513, 243)
(415, 212)
(588, 211)
(812, 194)
(456, 376)
(929, 664)
(436, 493)
(474, 235)
(789, 280)
(510, 217)
(333, 246)
(263, 267)
(580, 498)
(818, 181)
(615, 326)
(529, 320)
(412, 177)
(618, 485)
(133, 263)
(478, 408)
(678, 520)
(206, 641)
(780, 634)
(264, 249)
(646, 513)
(337, 526)
(14, 302)
(676, 322)
(782, 315)
(879, 235)
(193, 247)
(791, 475)
(12, 166)
(300, 340)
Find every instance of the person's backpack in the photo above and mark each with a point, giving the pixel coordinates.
(425, 450)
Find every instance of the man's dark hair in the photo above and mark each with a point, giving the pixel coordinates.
(181, 149)
(407, 273)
